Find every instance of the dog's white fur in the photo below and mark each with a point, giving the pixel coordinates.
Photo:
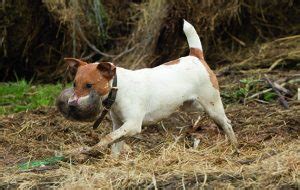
(148, 95)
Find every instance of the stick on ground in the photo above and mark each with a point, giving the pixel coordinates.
(281, 99)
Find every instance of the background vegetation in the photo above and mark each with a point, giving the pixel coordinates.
(22, 96)
(36, 35)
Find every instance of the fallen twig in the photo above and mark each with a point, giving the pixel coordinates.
(280, 87)
(281, 99)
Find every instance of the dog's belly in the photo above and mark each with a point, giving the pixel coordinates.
(157, 115)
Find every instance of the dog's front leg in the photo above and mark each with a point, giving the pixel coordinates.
(129, 128)
(118, 147)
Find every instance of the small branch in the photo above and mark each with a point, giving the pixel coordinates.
(275, 64)
(124, 52)
(92, 46)
(282, 89)
(281, 99)
(236, 39)
(89, 56)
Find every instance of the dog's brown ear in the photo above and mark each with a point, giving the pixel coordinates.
(74, 63)
(107, 69)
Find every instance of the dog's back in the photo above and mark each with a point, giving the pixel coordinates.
(163, 89)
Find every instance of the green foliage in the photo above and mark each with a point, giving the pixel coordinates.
(21, 96)
(246, 88)
(246, 85)
(269, 96)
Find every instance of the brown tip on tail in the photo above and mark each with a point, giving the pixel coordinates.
(196, 52)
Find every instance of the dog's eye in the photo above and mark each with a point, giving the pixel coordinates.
(88, 85)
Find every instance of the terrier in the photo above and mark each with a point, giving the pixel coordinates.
(149, 95)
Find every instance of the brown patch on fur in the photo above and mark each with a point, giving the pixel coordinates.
(173, 62)
(199, 54)
(90, 74)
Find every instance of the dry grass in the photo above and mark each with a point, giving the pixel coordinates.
(279, 53)
(146, 33)
(89, 17)
(162, 156)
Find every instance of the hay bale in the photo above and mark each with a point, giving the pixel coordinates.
(144, 37)
(225, 27)
(38, 34)
(135, 34)
(88, 16)
(32, 41)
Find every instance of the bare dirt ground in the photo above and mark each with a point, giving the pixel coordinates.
(163, 155)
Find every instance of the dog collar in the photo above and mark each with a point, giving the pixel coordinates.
(108, 102)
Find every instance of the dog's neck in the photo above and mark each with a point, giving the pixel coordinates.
(110, 83)
(109, 99)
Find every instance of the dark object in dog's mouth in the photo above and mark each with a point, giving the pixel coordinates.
(87, 112)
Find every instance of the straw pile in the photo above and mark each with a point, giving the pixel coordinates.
(36, 36)
(163, 155)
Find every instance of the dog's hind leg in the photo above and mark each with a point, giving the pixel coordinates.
(193, 106)
(213, 106)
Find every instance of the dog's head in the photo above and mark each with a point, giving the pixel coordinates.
(92, 81)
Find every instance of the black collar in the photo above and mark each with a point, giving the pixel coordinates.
(108, 102)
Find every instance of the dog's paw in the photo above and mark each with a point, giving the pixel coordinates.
(82, 154)
(84, 150)
(76, 155)
(96, 151)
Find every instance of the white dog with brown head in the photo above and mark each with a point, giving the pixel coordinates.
(149, 95)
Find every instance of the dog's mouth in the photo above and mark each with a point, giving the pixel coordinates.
(86, 112)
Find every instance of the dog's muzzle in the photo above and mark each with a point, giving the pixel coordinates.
(74, 111)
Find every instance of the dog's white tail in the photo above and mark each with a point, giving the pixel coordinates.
(191, 35)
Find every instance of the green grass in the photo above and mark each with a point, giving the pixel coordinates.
(22, 96)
